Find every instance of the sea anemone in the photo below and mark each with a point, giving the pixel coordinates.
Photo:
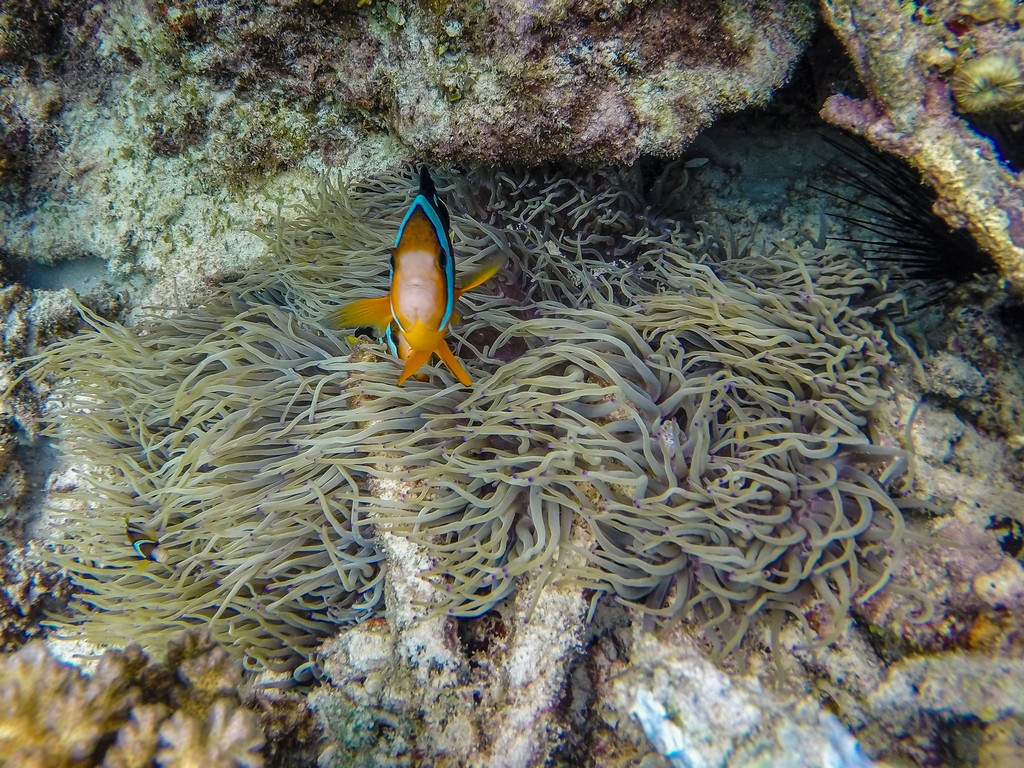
(715, 470)
(696, 409)
(204, 431)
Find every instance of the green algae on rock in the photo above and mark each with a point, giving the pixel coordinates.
(146, 134)
(695, 410)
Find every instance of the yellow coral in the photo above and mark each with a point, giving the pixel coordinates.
(229, 738)
(136, 741)
(983, 11)
(53, 716)
(208, 669)
(1002, 744)
(992, 83)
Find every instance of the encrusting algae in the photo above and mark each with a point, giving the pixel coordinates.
(697, 407)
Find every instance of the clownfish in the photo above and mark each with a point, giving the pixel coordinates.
(414, 316)
(145, 544)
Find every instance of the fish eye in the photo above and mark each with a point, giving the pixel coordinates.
(442, 259)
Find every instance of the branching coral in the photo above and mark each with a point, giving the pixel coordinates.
(696, 407)
(227, 739)
(53, 716)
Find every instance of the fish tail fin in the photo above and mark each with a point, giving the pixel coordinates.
(449, 359)
(357, 314)
(413, 363)
(480, 275)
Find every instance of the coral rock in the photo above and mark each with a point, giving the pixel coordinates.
(900, 56)
(606, 80)
(201, 100)
(953, 684)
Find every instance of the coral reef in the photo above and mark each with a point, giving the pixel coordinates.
(923, 65)
(13, 485)
(694, 713)
(128, 713)
(673, 419)
(146, 135)
(14, 304)
(952, 609)
(28, 28)
(533, 678)
(489, 81)
(482, 692)
(28, 594)
(966, 433)
(947, 708)
(608, 80)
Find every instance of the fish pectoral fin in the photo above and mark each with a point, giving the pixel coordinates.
(413, 363)
(449, 359)
(373, 312)
(480, 275)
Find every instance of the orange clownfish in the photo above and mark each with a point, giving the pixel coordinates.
(415, 315)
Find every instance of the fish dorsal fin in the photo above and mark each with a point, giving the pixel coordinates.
(428, 200)
(430, 204)
(429, 191)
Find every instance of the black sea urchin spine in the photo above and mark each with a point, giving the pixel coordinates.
(893, 223)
